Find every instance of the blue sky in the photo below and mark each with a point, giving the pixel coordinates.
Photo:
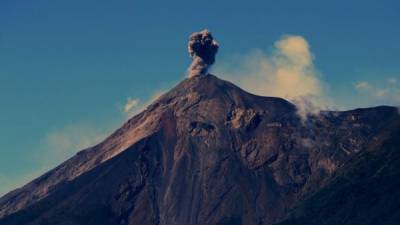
(67, 68)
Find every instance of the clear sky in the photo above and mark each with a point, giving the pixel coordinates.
(68, 67)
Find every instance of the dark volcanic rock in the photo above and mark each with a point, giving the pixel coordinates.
(363, 191)
(204, 153)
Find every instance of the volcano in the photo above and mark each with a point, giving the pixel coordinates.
(209, 153)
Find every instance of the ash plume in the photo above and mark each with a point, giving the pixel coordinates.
(202, 48)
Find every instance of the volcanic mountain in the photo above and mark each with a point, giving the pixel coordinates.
(209, 153)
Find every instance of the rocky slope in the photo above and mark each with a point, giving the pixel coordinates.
(206, 152)
(363, 191)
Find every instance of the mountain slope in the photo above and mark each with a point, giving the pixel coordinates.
(206, 152)
(364, 191)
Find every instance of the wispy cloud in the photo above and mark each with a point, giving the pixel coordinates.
(287, 71)
(131, 104)
(134, 106)
(60, 144)
(392, 80)
(55, 147)
(362, 85)
(387, 93)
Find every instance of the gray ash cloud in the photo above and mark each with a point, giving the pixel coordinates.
(202, 48)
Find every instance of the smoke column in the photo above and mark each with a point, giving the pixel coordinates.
(202, 48)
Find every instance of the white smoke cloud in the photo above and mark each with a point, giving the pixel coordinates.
(288, 72)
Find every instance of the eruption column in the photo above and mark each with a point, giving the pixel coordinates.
(202, 48)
